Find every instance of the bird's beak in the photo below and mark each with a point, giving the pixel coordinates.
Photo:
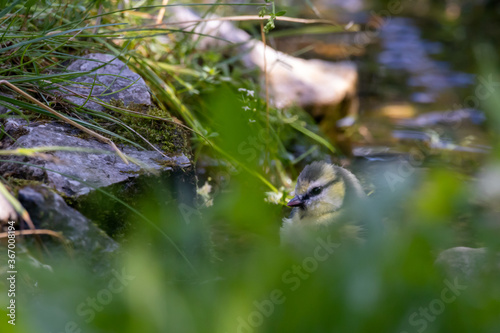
(295, 202)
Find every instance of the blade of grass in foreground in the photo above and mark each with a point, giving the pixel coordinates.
(313, 136)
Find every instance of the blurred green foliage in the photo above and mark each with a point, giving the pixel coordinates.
(241, 280)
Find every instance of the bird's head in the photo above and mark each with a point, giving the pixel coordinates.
(323, 188)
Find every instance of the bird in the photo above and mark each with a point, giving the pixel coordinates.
(323, 194)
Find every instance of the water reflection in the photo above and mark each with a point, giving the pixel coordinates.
(404, 49)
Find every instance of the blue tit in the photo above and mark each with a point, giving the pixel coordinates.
(322, 195)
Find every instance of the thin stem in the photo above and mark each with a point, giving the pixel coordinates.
(66, 119)
(255, 18)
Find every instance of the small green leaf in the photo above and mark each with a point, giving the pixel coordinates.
(280, 13)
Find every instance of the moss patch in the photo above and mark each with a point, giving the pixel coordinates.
(167, 136)
(17, 183)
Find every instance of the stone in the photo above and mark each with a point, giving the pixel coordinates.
(462, 261)
(108, 78)
(4, 106)
(96, 181)
(91, 246)
(78, 173)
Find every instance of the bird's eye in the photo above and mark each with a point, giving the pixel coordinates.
(316, 191)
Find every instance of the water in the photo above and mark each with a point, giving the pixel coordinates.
(411, 91)
(405, 51)
(412, 99)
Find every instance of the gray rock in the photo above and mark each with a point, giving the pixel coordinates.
(78, 173)
(4, 107)
(14, 128)
(90, 245)
(98, 182)
(462, 261)
(110, 81)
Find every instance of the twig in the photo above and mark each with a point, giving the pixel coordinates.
(255, 18)
(161, 13)
(266, 76)
(36, 232)
(99, 18)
